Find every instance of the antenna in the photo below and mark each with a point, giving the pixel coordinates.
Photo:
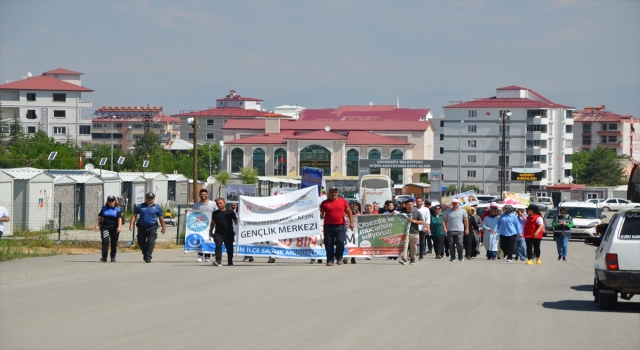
(327, 128)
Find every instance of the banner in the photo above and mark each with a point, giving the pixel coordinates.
(279, 191)
(234, 191)
(374, 235)
(312, 177)
(513, 198)
(467, 198)
(290, 215)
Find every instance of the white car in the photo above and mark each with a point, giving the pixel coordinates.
(586, 216)
(595, 201)
(616, 204)
(546, 201)
(617, 265)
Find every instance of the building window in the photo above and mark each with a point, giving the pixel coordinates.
(441, 137)
(586, 141)
(441, 150)
(31, 129)
(567, 158)
(532, 113)
(567, 172)
(97, 126)
(59, 97)
(504, 114)
(59, 130)
(31, 96)
(473, 114)
(352, 162)
(259, 161)
(59, 114)
(157, 126)
(500, 160)
(613, 126)
(568, 129)
(592, 196)
(507, 131)
(117, 126)
(85, 130)
(211, 136)
(211, 122)
(396, 173)
(568, 143)
(506, 146)
(280, 162)
(31, 114)
(472, 128)
(471, 143)
(471, 159)
(544, 175)
(586, 128)
(189, 136)
(374, 154)
(237, 160)
(317, 153)
(537, 159)
(442, 123)
(536, 143)
(536, 129)
(6, 128)
(471, 173)
(139, 136)
(609, 139)
(506, 173)
(138, 126)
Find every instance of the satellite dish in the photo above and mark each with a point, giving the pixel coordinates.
(211, 179)
(327, 128)
(370, 103)
(29, 74)
(88, 167)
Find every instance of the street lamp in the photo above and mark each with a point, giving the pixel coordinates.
(459, 155)
(112, 118)
(503, 166)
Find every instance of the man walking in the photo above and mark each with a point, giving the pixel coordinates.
(424, 229)
(416, 220)
(148, 214)
(222, 220)
(333, 210)
(204, 205)
(456, 225)
(4, 217)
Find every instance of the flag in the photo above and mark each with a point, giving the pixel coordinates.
(488, 113)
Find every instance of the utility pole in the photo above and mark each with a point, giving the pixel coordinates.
(195, 159)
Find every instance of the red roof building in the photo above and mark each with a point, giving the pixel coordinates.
(597, 127)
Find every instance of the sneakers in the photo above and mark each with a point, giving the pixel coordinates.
(344, 261)
(430, 251)
(461, 258)
(216, 263)
(319, 261)
(250, 259)
(113, 259)
(246, 259)
(452, 259)
(446, 252)
(421, 259)
(559, 257)
(413, 261)
(207, 260)
(103, 259)
(538, 261)
(368, 258)
(564, 258)
(402, 261)
(230, 263)
(199, 259)
(473, 257)
(508, 260)
(329, 264)
(529, 262)
(147, 260)
(271, 260)
(438, 256)
(313, 261)
(353, 260)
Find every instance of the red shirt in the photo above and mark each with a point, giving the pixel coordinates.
(530, 227)
(334, 211)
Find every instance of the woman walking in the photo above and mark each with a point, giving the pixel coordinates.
(521, 244)
(508, 228)
(437, 232)
(490, 237)
(533, 229)
(471, 240)
(110, 224)
(562, 225)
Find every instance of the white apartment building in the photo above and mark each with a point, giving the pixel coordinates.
(51, 102)
(596, 127)
(539, 135)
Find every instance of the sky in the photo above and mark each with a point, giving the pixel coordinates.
(183, 55)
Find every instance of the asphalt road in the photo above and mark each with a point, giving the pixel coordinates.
(76, 302)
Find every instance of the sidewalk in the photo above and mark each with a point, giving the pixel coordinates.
(125, 235)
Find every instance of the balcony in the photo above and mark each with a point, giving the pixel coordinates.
(610, 145)
(610, 133)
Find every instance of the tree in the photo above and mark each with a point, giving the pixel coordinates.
(222, 178)
(598, 167)
(248, 175)
(3, 134)
(17, 131)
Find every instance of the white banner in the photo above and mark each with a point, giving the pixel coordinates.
(234, 191)
(290, 215)
(467, 198)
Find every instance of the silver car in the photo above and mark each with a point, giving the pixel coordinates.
(616, 204)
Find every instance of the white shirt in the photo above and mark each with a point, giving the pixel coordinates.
(426, 214)
(3, 213)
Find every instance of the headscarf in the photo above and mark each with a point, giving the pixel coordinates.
(508, 209)
(468, 210)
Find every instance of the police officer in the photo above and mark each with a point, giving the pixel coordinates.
(148, 214)
(110, 224)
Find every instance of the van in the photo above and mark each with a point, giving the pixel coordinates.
(586, 216)
(379, 189)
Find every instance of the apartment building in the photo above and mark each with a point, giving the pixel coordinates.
(538, 137)
(597, 127)
(51, 102)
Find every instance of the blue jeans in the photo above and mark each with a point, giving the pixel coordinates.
(563, 245)
(492, 254)
(334, 235)
(521, 249)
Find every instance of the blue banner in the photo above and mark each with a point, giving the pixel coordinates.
(312, 177)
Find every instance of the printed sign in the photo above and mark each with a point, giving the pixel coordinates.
(279, 191)
(312, 177)
(234, 191)
(467, 198)
(139, 194)
(512, 198)
(522, 174)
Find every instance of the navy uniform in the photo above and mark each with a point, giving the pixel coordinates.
(110, 222)
(147, 215)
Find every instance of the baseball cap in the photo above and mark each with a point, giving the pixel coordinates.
(150, 195)
(455, 200)
(111, 198)
(493, 205)
(333, 189)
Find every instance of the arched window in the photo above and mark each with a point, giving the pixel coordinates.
(396, 173)
(316, 156)
(237, 160)
(374, 154)
(352, 162)
(258, 161)
(280, 162)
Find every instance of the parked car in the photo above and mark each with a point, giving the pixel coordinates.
(546, 201)
(586, 216)
(616, 204)
(485, 198)
(617, 262)
(548, 220)
(595, 200)
(401, 198)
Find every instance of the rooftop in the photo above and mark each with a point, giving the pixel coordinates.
(365, 113)
(43, 82)
(228, 112)
(534, 101)
(63, 71)
(598, 114)
(336, 125)
(232, 96)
